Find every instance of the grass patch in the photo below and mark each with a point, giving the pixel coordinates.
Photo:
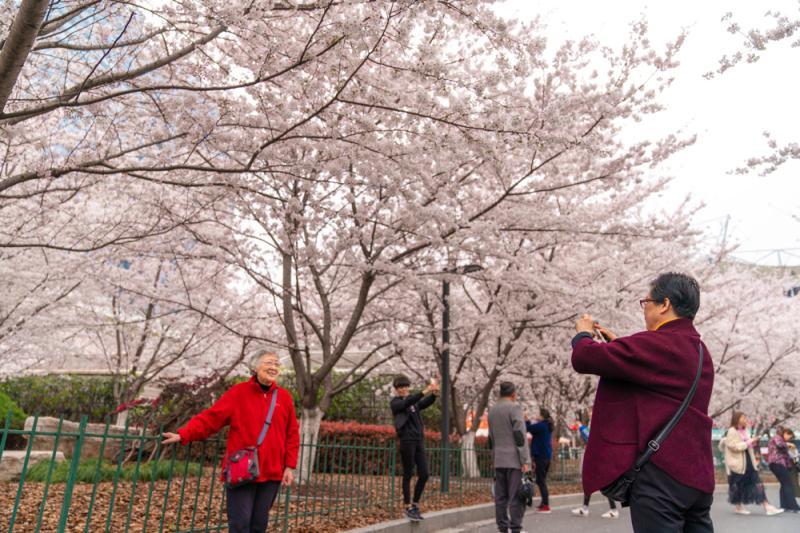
(93, 470)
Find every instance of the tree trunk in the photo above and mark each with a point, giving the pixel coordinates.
(469, 456)
(18, 44)
(309, 437)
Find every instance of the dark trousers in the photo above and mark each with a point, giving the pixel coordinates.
(659, 504)
(249, 505)
(506, 484)
(542, 467)
(787, 488)
(412, 452)
(587, 497)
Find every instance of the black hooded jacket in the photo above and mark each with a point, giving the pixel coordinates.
(406, 410)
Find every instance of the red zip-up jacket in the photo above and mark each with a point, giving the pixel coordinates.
(244, 408)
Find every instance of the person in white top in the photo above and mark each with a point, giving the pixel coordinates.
(744, 484)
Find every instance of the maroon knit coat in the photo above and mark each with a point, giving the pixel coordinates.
(643, 380)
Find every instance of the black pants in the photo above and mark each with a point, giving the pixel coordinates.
(542, 467)
(587, 497)
(506, 484)
(787, 488)
(659, 504)
(249, 505)
(412, 452)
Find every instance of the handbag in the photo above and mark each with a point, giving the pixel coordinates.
(241, 466)
(620, 489)
(525, 491)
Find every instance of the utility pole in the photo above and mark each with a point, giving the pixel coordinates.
(445, 480)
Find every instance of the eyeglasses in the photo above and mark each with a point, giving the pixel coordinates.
(644, 301)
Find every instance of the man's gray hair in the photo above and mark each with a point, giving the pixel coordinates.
(255, 357)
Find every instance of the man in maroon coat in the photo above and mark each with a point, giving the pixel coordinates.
(643, 380)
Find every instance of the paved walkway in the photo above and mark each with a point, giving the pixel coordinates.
(562, 521)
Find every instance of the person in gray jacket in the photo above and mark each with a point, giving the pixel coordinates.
(511, 458)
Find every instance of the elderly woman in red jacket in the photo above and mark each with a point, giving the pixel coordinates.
(245, 407)
(643, 380)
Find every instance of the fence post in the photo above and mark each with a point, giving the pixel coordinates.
(392, 466)
(20, 488)
(286, 509)
(6, 427)
(49, 476)
(73, 471)
(96, 478)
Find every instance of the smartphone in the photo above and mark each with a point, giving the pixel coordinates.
(601, 335)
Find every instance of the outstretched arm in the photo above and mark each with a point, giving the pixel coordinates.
(399, 405)
(204, 424)
(427, 401)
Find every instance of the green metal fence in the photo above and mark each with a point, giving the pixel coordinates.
(57, 475)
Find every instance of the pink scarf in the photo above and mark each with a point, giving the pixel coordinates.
(745, 437)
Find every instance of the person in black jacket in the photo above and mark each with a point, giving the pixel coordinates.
(410, 430)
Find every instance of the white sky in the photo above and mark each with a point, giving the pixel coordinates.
(728, 114)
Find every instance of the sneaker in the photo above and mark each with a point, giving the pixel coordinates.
(741, 511)
(611, 513)
(580, 511)
(543, 509)
(772, 511)
(412, 514)
(416, 512)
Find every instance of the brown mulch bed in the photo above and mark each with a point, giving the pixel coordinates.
(331, 503)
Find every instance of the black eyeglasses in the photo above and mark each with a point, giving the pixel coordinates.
(644, 301)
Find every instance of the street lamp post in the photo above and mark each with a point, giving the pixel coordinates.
(445, 484)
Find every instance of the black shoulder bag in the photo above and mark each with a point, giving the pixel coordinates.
(620, 489)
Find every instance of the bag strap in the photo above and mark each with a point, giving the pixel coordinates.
(268, 421)
(655, 444)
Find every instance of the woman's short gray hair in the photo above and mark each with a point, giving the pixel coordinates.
(255, 358)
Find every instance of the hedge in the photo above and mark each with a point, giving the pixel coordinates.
(350, 446)
(70, 396)
(342, 431)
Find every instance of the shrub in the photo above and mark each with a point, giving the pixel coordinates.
(366, 402)
(9, 406)
(346, 431)
(179, 401)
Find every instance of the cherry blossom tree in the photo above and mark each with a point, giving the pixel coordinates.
(34, 285)
(105, 108)
(414, 150)
(778, 27)
(514, 319)
(749, 328)
(325, 160)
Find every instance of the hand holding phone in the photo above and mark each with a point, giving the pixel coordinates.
(603, 333)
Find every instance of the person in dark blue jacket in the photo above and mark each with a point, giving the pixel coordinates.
(541, 452)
